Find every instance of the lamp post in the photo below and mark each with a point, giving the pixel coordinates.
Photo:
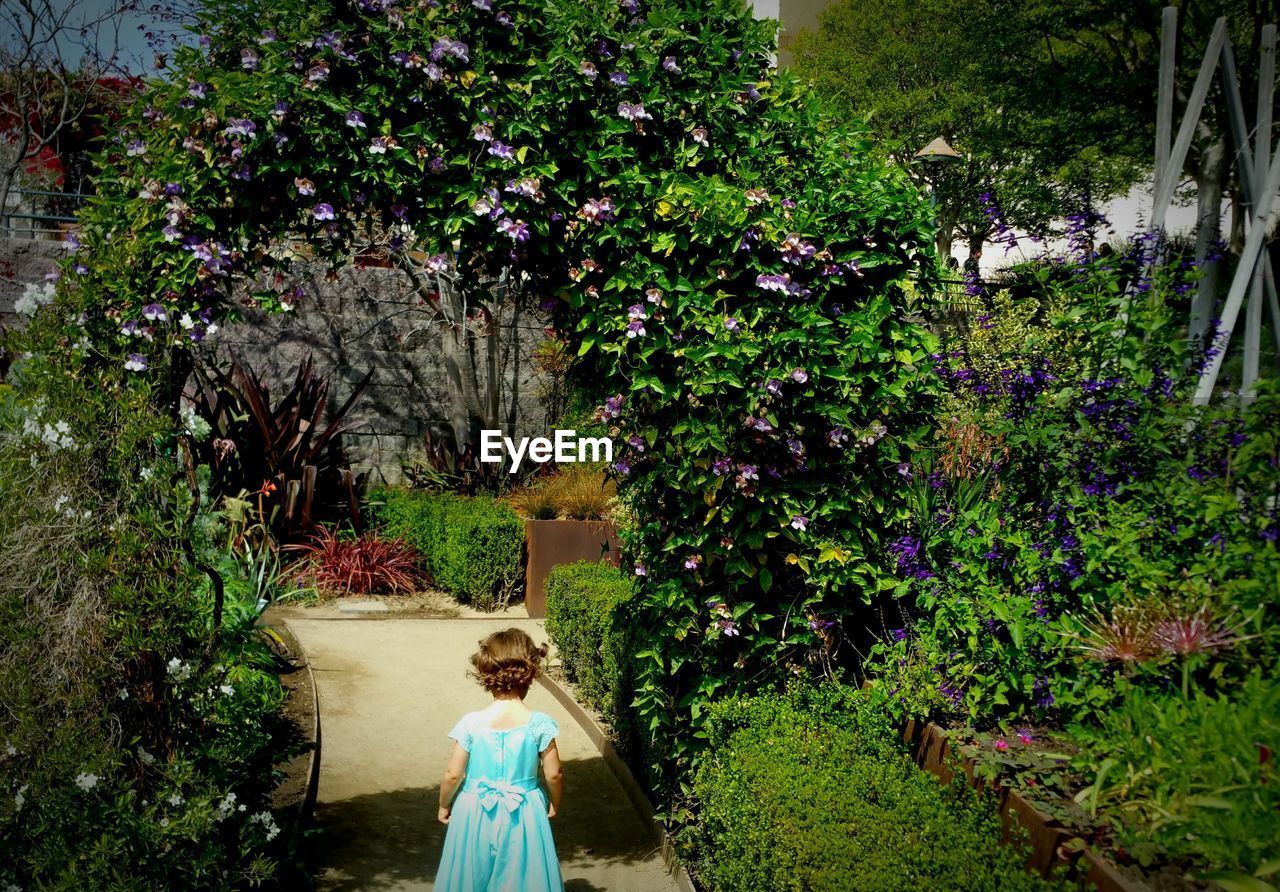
(934, 156)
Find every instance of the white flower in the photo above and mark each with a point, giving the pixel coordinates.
(87, 781)
(176, 799)
(10, 749)
(146, 757)
(12, 888)
(146, 474)
(164, 822)
(20, 798)
(179, 670)
(268, 822)
(227, 689)
(187, 322)
(226, 807)
(33, 298)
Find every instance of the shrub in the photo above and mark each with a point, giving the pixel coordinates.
(1071, 480)
(360, 565)
(813, 790)
(471, 546)
(1191, 778)
(589, 617)
(135, 724)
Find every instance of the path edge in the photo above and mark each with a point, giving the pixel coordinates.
(306, 807)
(639, 800)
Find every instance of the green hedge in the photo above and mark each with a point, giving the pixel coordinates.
(813, 790)
(472, 546)
(587, 618)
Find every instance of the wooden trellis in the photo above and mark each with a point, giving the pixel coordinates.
(1258, 166)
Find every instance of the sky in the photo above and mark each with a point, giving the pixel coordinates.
(134, 34)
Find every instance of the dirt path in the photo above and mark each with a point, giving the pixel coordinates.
(390, 690)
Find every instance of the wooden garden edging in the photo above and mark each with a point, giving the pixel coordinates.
(301, 801)
(600, 738)
(931, 746)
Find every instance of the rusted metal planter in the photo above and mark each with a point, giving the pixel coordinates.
(550, 543)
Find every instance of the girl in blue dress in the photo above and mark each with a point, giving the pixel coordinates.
(498, 817)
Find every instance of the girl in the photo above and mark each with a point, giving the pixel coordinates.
(499, 829)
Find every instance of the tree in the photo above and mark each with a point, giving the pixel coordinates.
(920, 70)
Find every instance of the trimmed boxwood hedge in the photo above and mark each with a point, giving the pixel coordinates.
(472, 546)
(814, 790)
(587, 618)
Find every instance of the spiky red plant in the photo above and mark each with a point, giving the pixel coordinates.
(1193, 633)
(1123, 638)
(361, 565)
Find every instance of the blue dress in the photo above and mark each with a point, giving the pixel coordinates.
(499, 837)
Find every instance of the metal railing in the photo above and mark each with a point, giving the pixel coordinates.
(31, 224)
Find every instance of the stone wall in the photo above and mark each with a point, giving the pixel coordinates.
(367, 318)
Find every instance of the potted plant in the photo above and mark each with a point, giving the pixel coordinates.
(567, 518)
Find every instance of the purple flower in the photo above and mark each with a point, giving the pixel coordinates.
(640, 569)
(760, 424)
(588, 68)
(773, 387)
(636, 443)
(136, 363)
(634, 112)
(618, 78)
(799, 522)
(693, 562)
(898, 634)
(323, 211)
(597, 210)
(731, 324)
(622, 467)
(727, 626)
(795, 250)
(355, 119)
(635, 329)
(318, 73)
(197, 90)
(669, 65)
(516, 229)
(779, 283)
(721, 466)
(800, 376)
(154, 313)
(248, 58)
(904, 469)
(613, 406)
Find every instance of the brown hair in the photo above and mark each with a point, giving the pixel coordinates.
(508, 662)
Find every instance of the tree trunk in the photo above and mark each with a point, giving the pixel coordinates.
(1210, 175)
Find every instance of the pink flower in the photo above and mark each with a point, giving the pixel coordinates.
(1001, 745)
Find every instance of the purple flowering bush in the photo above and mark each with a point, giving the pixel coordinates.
(1070, 478)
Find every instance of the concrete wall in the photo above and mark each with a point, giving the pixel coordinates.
(366, 318)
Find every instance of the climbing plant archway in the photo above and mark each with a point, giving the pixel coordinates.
(734, 273)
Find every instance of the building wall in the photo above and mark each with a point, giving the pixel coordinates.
(366, 318)
(793, 16)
